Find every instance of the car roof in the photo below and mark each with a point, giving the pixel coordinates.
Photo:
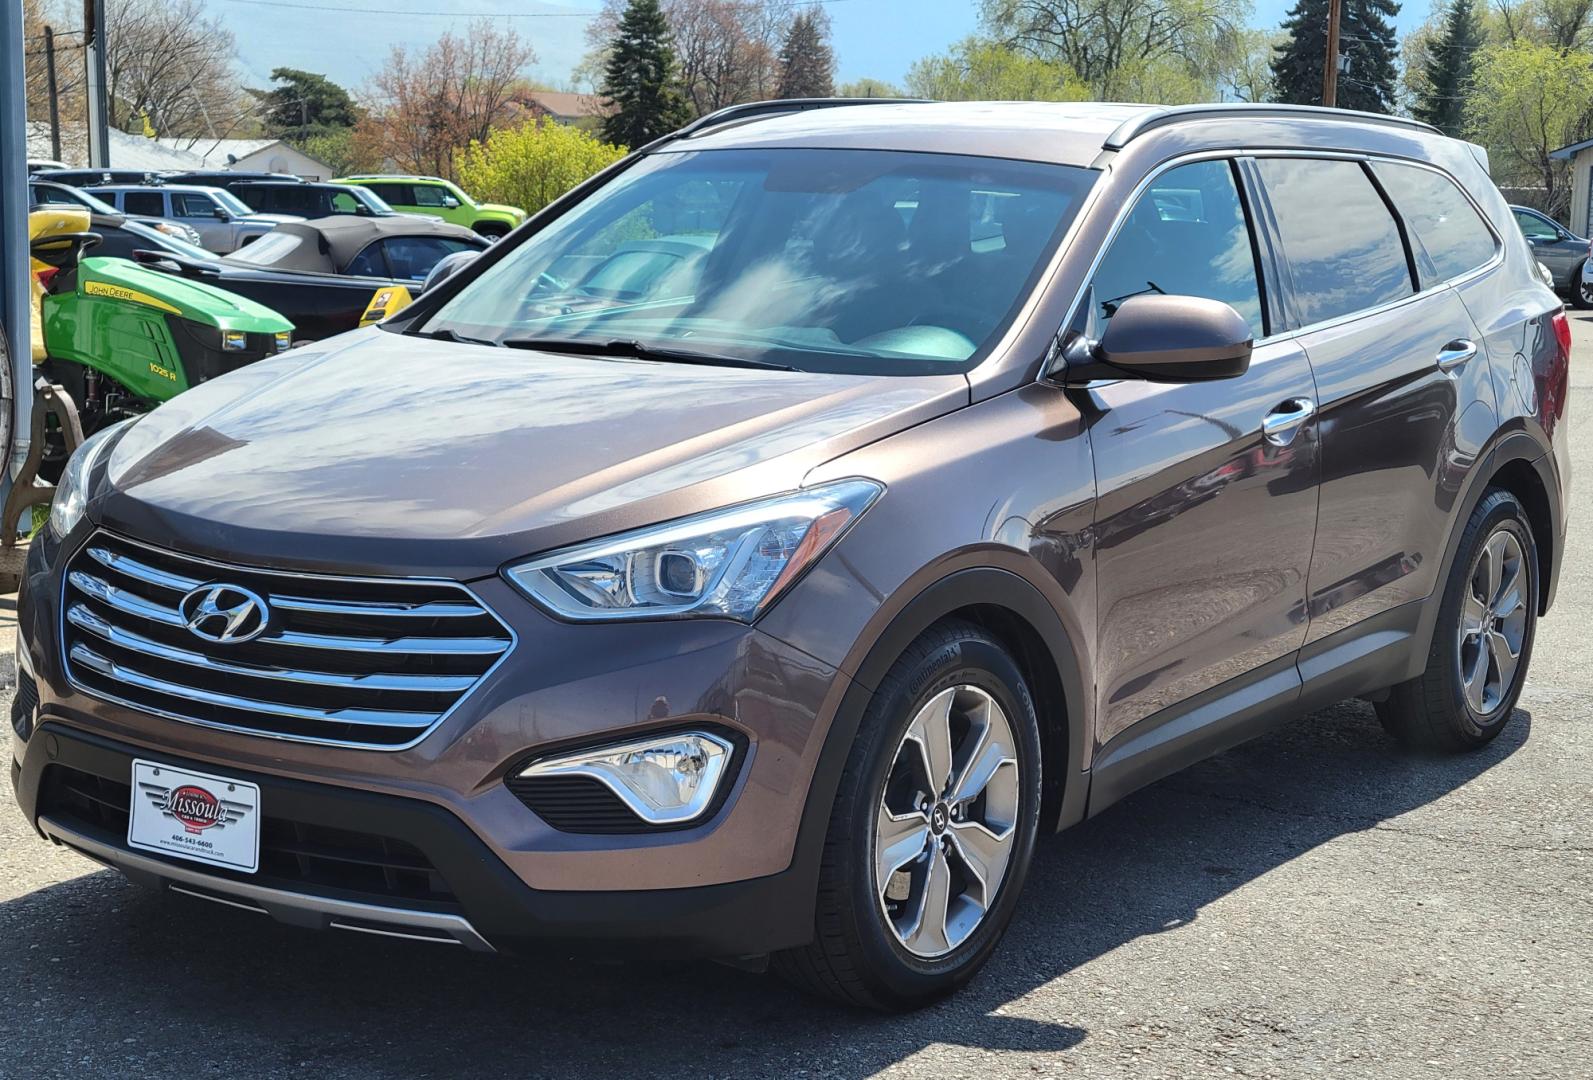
(1066, 133)
(333, 241)
(181, 189)
(414, 178)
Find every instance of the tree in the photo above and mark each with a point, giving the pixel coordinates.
(1442, 100)
(1124, 49)
(305, 104)
(424, 107)
(977, 69)
(807, 63)
(727, 51)
(1247, 73)
(867, 88)
(531, 165)
(640, 80)
(168, 64)
(1366, 43)
(1528, 99)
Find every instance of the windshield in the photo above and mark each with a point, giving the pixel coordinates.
(231, 201)
(160, 241)
(875, 262)
(375, 202)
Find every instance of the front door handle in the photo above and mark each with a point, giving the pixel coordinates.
(1454, 354)
(1282, 424)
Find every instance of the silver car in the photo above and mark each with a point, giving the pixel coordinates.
(222, 220)
(1564, 253)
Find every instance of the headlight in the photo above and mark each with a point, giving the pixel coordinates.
(664, 780)
(71, 494)
(728, 563)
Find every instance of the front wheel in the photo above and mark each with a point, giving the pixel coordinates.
(1581, 289)
(1482, 644)
(932, 830)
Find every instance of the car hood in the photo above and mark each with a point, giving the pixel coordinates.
(385, 454)
(502, 208)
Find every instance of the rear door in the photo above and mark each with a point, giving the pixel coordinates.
(1397, 362)
(1207, 498)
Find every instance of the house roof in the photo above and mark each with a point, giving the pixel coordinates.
(219, 153)
(126, 151)
(1569, 151)
(560, 104)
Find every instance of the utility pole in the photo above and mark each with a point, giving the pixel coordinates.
(99, 123)
(1330, 64)
(55, 109)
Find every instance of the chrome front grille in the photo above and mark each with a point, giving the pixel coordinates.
(374, 662)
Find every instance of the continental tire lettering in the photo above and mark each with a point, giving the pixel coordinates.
(132, 296)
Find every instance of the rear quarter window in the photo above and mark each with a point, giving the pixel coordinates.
(1452, 236)
(1342, 245)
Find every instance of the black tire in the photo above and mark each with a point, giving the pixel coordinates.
(492, 230)
(855, 958)
(1432, 711)
(1581, 291)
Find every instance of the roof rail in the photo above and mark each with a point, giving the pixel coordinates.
(1135, 126)
(753, 109)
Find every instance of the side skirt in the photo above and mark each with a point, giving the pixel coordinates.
(1362, 659)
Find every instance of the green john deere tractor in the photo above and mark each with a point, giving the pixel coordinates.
(120, 339)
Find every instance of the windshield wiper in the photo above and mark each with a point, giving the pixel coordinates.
(446, 334)
(639, 350)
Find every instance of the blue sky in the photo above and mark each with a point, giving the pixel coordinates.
(347, 40)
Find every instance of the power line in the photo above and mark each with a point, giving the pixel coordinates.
(413, 12)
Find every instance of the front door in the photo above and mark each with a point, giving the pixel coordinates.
(1205, 520)
(1552, 246)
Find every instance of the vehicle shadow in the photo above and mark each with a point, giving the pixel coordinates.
(132, 982)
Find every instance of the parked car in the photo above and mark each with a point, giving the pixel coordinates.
(1559, 249)
(325, 275)
(41, 193)
(224, 223)
(437, 197)
(36, 165)
(963, 489)
(315, 200)
(95, 177)
(225, 178)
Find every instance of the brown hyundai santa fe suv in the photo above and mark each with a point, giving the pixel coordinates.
(756, 551)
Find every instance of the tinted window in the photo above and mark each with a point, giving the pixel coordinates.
(429, 195)
(1341, 241)
(397, 194)
(1186, 236)
(144, 202)
(1535, 228)
(412, 257)
(1448, 228)
(192, 206)
(368, 263)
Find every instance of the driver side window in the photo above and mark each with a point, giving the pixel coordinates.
(1187, 235)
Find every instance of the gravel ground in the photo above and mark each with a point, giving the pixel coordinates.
(1310, 904)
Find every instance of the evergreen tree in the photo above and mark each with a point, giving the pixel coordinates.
(807, 64)
(1448, 70)
(640, 80)
(306, 104)
(1366, 42)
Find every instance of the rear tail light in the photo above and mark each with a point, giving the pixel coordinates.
(1562, 331)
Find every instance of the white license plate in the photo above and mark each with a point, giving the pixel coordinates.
(208, 819)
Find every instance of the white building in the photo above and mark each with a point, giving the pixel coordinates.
(251, 155)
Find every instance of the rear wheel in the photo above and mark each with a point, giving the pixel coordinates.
(932, 831)
(1481, 647)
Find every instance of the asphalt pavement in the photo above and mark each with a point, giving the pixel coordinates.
(1313, 903)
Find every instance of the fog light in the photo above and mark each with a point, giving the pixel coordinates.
(666, 780)
(284, 340)
(234, 340)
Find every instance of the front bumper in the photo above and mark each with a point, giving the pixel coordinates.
(483, 905)
(740, 882)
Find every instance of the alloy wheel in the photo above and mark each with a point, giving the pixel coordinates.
(947, 821)
(1493, 623)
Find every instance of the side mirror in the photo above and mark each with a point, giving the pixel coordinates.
(222, 214)
(1165, 339)
(450, 202)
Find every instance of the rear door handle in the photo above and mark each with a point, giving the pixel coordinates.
(1282, 424)
(1454, 354)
